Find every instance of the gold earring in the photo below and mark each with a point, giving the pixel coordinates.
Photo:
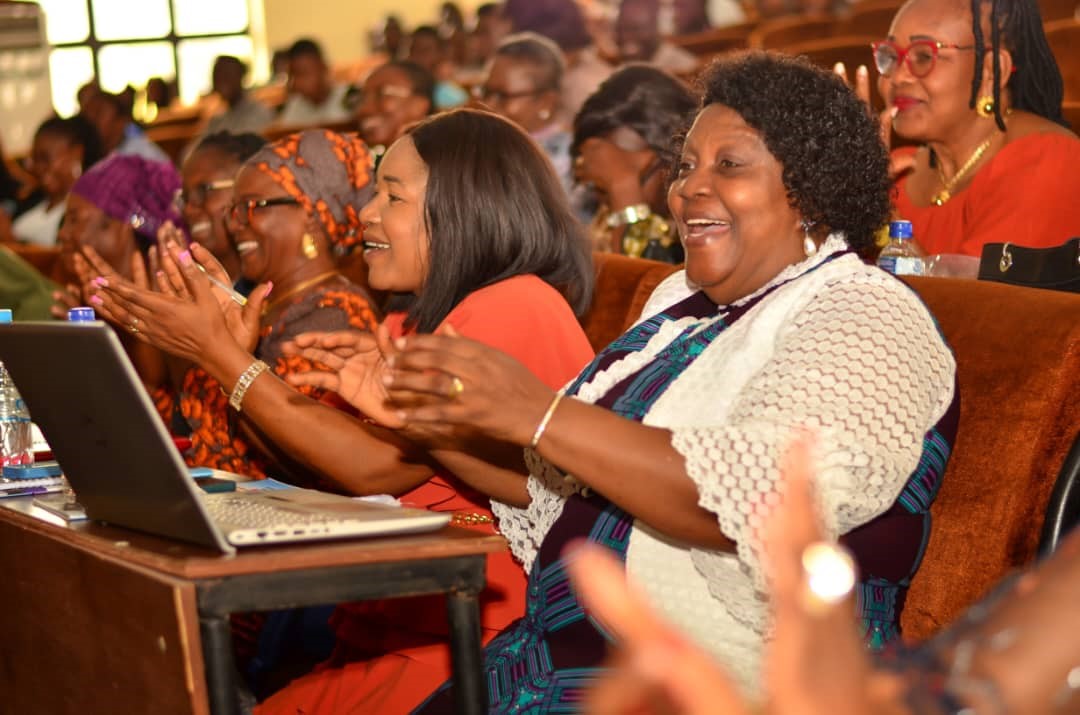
(984, 107)
(307, 245)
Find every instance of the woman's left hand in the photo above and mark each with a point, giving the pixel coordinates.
(193, 330)
(443, 380)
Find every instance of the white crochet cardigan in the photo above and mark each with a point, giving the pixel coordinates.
(845, 350)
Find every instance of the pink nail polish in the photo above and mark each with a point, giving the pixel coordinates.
(185, 257)
(96, 300)
(269, 287)
(101, 282)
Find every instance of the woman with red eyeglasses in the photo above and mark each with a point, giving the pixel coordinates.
(975, 83)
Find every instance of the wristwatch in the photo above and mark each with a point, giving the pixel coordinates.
(628, 215)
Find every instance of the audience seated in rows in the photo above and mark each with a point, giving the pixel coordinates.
(393, 96)
(515, 290)
(111, 116)
(430, 50)
(240, 114)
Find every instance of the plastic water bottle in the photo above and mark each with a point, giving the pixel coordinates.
(16, 439)
(901, 256)
(82, 314)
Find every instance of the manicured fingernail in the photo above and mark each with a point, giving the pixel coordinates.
(185, 257)
(391, 360)
(388, 379)
(160, 274)
(96, 300)
(862, 71)
(839, 68)
(100, 282)
(193, 244)
(402, 416)
(269, 287)
(399, 343)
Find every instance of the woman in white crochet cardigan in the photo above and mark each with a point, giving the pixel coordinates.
(665, 448)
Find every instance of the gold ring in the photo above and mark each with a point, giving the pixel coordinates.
(828, 575)
(456, 388)
(134, 327)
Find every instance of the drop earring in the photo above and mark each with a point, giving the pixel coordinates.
(307, 245)
(808, 245)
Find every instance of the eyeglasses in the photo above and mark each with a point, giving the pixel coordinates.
(495, 96)
(197, 196)
(242, 213)
(920, 55)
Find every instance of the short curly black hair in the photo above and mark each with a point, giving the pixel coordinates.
(835, 166)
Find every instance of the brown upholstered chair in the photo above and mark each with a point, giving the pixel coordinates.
(869, 17)
(1018, 367)
(1058, 9)
(784, 31)
(1071, 110)
(852, 50)
(623, 285)
(711, 42)
(1018, 370)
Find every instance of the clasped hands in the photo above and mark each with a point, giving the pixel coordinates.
(437, 388)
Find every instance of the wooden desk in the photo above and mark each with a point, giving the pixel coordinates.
(101, 619)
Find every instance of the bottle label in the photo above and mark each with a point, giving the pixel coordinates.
(901, 265)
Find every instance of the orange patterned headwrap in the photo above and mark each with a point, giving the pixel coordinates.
(329, 173)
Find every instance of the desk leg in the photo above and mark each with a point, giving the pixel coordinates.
(220, 664)
(470, 692)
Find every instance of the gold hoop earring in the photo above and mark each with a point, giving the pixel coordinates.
(307, 245)
(984, 107)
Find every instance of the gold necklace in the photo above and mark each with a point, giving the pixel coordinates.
(301, 286)
(947, 185)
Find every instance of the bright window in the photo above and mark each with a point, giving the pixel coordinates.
(130, 41)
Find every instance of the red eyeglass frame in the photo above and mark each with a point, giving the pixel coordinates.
(903, 52)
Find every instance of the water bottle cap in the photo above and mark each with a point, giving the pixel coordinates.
(81, 315)
(900, 229)
(5, 315)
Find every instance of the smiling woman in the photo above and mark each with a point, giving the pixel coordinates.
(666, 448)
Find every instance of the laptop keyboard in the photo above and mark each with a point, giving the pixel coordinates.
(242, 513)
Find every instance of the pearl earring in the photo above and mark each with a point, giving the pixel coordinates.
(808, 244)
(544, 114)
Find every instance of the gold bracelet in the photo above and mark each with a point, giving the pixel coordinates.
(544, 422)
(244, 382)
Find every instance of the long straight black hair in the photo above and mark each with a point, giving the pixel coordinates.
(494, 209)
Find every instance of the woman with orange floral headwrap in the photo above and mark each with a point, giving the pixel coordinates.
(294, 212)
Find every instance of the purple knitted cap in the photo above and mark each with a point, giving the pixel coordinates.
(134, 190)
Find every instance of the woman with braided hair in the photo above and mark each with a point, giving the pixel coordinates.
(976, 83)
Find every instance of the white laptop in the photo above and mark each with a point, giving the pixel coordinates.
(102, 427)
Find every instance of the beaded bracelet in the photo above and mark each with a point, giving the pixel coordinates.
(244, 382)
(544, 421)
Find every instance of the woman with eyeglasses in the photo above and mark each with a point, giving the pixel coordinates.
(523, 84)
(292, 212)
(208, 176)
(393, 96)
(977, 85)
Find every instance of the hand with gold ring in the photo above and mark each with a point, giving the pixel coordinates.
(133, 326)
(457, 387)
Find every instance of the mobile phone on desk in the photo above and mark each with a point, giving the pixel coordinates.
(62, 505)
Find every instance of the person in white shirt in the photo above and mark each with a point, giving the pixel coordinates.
(313, 98)
(62, 148)
(111, 116)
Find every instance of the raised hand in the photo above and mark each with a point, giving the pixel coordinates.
(351, 363)
(191, 329)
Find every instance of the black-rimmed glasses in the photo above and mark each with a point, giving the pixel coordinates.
(920, 55)
(242, 212)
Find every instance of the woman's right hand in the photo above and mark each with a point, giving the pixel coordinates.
(353, 365)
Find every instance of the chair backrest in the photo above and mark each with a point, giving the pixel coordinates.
(852, 50)
(1018, 368)
(623, 285)
(1058, 9)
(784, 31)
(1063, 511)
(869, 20)
(711, 42)
(1064, 39)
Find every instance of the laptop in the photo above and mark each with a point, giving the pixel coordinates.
(86, 397)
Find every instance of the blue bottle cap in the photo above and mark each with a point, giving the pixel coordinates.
(5, 315)
(900, 229)
(81, 315)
